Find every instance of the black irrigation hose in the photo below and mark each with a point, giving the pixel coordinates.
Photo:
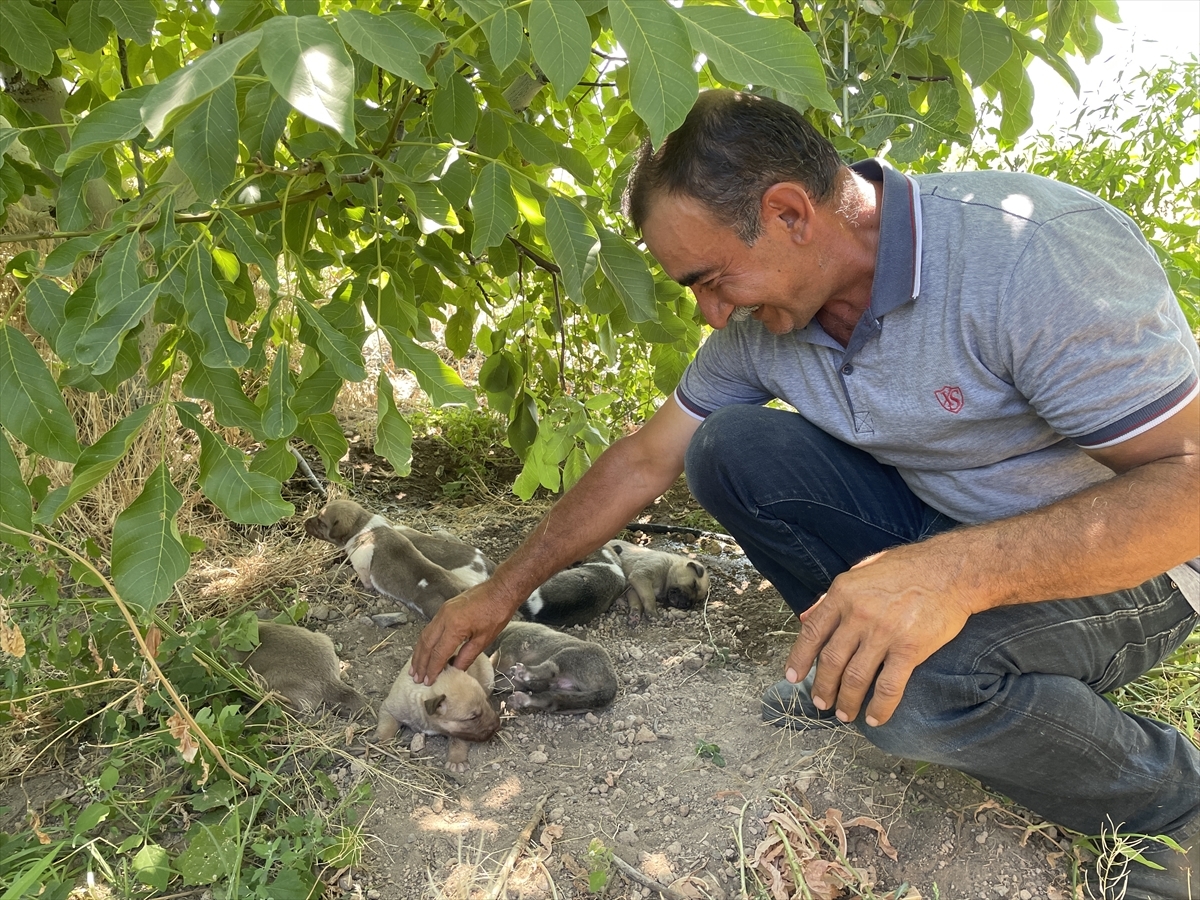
(655, 528)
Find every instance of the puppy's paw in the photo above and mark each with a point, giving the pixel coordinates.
(520, 700)
(458, 767)
(518, 674)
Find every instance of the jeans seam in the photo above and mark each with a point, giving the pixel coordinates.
(759, 508)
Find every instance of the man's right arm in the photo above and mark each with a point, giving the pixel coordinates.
(625, 478)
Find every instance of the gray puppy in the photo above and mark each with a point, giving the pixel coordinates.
(578, 594)
(552, 671)
(302, 666)
(657, 578)
(420, 570)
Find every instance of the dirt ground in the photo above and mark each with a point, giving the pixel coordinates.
(678, 783)
(679, 777)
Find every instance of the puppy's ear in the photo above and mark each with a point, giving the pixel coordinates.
(697, 568)
(432, 704)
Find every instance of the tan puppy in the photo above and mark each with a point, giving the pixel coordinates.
(302, 666)
(552, 671)
(456, 705)
(656, 578)
(420, 570)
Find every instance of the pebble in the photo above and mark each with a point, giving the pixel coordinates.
(746, 771)
(981, 838)
(320, 612)
(645, 736)
(538, 757)
(623, 753)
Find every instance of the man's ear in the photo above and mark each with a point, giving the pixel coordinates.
(788, 203)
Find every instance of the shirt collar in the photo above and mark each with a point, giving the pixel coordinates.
(898, 259)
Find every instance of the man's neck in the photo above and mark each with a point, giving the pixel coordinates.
(855, 241)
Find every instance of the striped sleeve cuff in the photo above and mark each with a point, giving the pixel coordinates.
(693, 409)
(1143, 419)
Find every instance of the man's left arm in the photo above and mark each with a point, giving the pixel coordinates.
(889, 613)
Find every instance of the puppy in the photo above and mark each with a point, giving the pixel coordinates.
(552, 671)
(578, 594)
(456, 705)
(340, 520)
(390, 560)
(658, 578)
(302, 666)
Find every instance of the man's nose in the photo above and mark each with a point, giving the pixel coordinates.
(714, 311)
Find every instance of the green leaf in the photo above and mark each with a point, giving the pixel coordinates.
(152, 865)
(101, 340)
(33, 410)
(278, 420)
(96, 461)
(431, 210)
(317, 393)
(325, 434)
(573, 242)
(206, 142)
(986, 45)
(505, 34)
(1054, 61)
(577, 464)
(107, 124)
(86, 28)
(1107, 10)
(306, 62)
(249, 248)
(16, 503)
(120, 272)
(275, 460)
(1016, 94)
(341, 352)
(133, 19)
(393, 41)
(494, 207)
(393, 435)
(440, 382)
(91, 816)
(454, 109)
(627, 271)
(561, 41)
(45, 305)
(663, 86)
(212, 852)
(205, 303)
(192, 83)
(491, 138)
(148, 556)
(249, 498)
(460, 329)
(222, 387)
(759, 50)
(73, 211)
(30, 35)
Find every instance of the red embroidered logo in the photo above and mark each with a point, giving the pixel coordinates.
(951, 398)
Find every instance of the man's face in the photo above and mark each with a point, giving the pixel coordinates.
(778, 277)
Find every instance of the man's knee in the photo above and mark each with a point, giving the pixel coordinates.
(726, 440)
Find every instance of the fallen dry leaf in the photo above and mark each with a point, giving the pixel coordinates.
(153, 640)
(12, 641)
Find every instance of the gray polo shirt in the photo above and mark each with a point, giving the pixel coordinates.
(1014, 322)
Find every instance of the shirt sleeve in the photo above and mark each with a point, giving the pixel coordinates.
(1092, 333)
(722, 373)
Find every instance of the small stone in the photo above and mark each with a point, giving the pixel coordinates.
(418, 743)
(981, 838)
(390, 620)
(645, 736)
(684, 809)
(537, 757)
(320, 612)
(746, 771)
(591, 719)
(668, 821)
(623, 753)
(636, 652)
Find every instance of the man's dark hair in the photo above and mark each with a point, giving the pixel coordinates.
(732, 147)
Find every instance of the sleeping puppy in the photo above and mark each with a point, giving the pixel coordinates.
(341, 520)
(456, 705)
(552, 671)
(390, 560)
(302, 666)
(578, 594)
(656, 578)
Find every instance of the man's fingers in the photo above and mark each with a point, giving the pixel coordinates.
(889, 688)
(815, 627)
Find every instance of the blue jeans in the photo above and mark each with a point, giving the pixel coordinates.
(1016, 699)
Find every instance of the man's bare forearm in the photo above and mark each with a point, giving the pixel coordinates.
(1111, 536)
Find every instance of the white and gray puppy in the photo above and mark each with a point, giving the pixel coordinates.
(552, 671)
(657, 578)
(302, 666)
(420, 570)
(456, 705)
(578, 594)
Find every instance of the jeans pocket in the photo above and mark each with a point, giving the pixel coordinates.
(1135, 659)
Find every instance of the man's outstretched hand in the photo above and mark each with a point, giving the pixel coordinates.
(461, 630)
(878, 622)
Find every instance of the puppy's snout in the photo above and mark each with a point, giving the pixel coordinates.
(313, 527)
(678, 598)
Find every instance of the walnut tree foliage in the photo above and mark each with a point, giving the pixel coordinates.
(244, 191)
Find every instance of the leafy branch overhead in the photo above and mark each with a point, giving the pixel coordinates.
(240, 194)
